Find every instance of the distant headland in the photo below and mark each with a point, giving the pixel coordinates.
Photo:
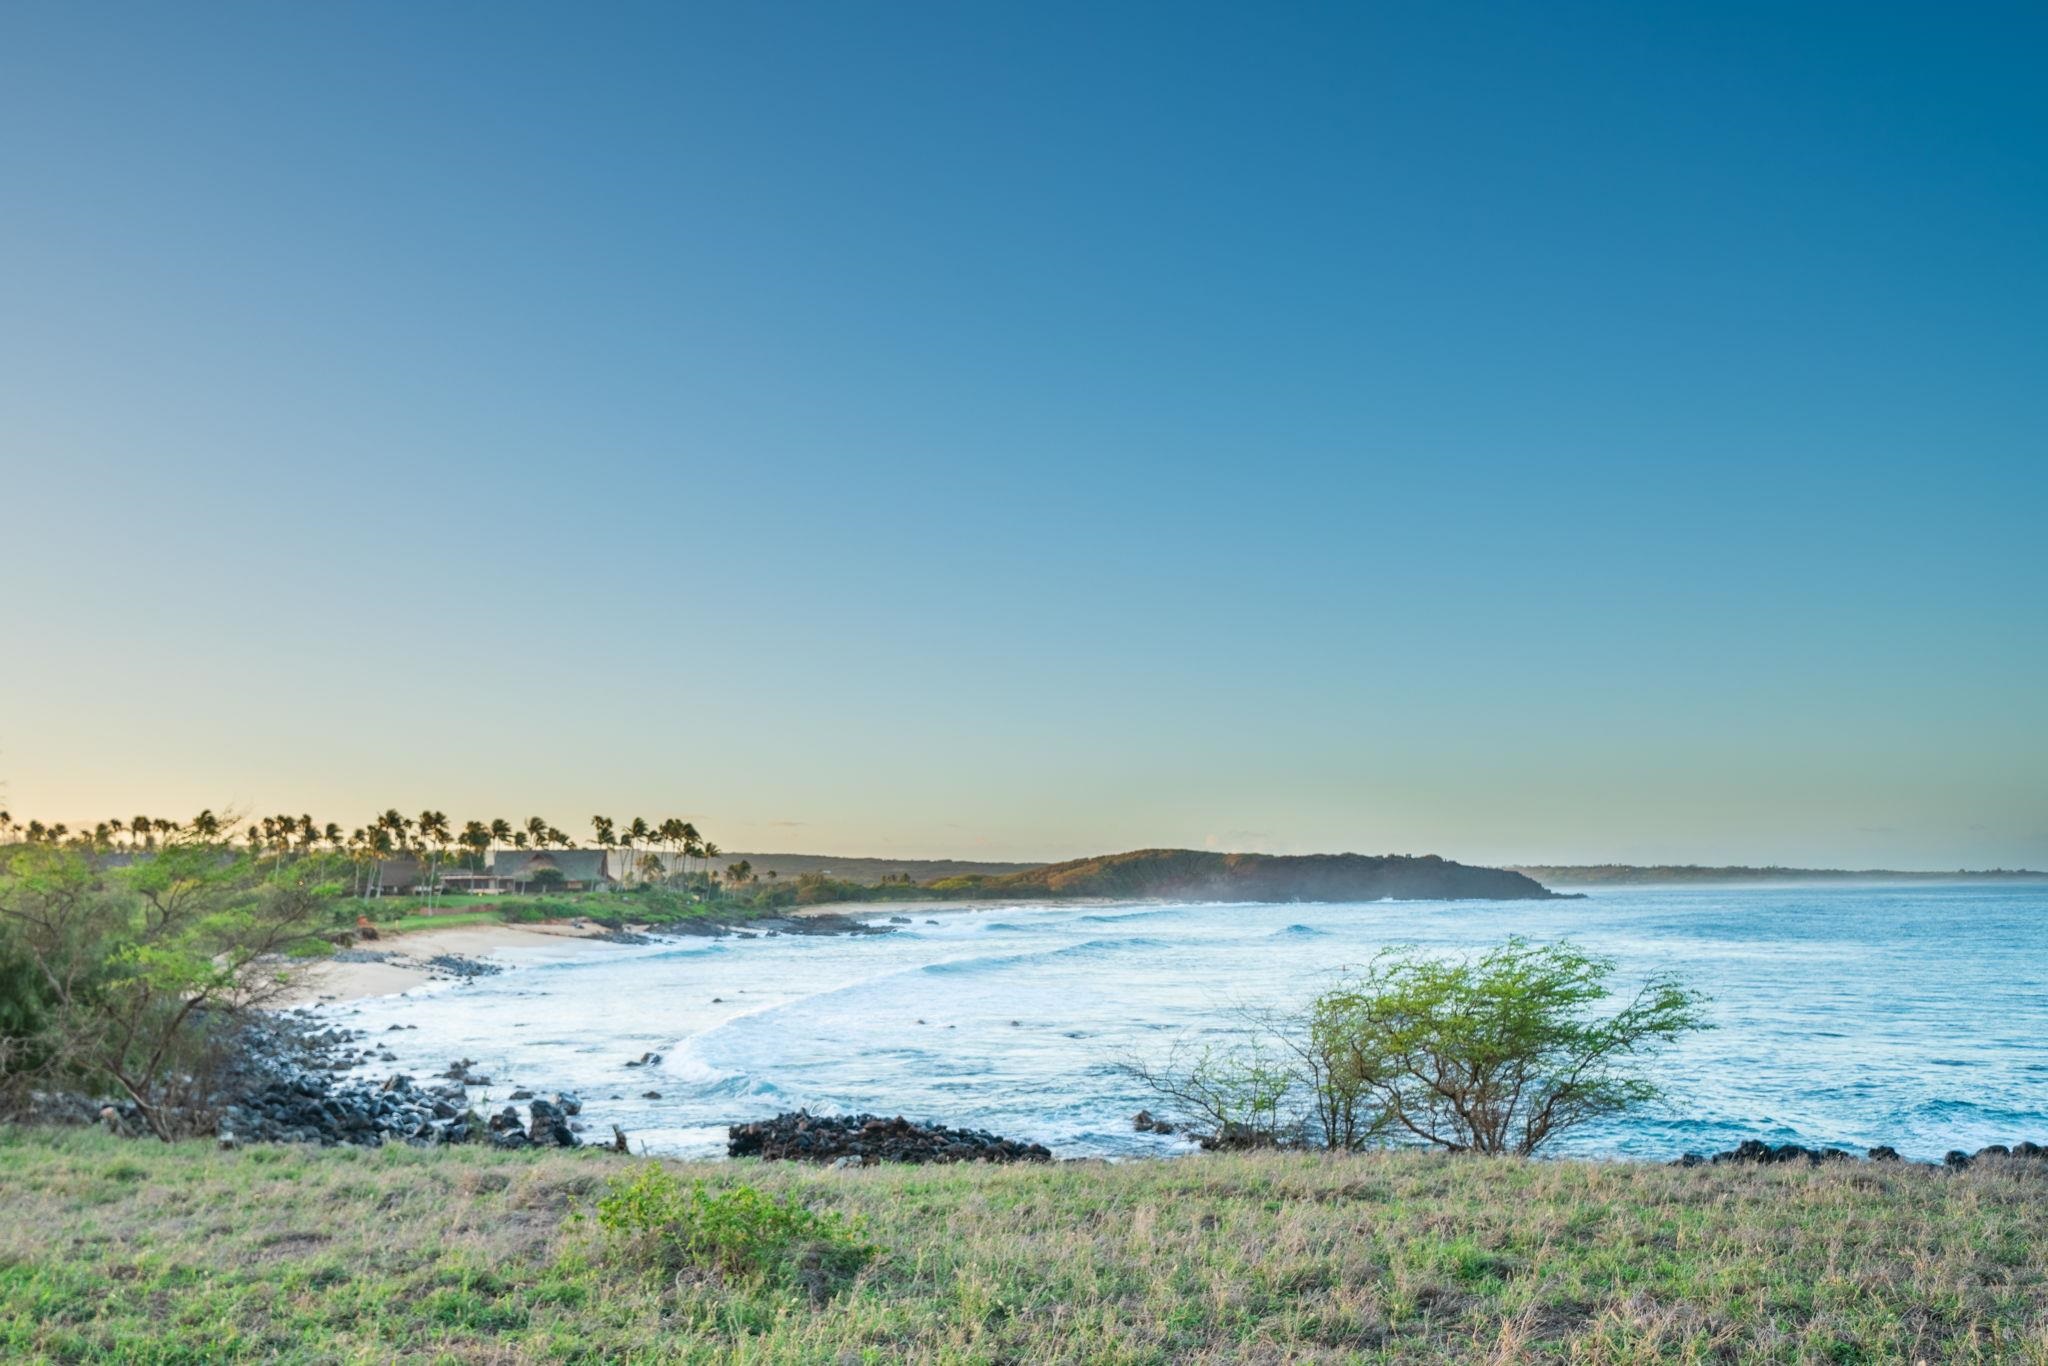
(1188, 875)
(1668, 874)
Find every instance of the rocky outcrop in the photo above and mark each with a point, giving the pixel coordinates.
(1758, 1153)
(867, 1139)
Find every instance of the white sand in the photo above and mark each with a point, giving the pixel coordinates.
(329, 981)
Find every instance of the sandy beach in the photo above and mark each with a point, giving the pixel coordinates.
(408, 965)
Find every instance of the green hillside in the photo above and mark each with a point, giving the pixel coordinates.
(1201, 875)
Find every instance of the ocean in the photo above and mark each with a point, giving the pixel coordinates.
(1912, 1016)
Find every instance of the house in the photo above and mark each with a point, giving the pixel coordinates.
(581, 870)
(629, 866)
(397, 876)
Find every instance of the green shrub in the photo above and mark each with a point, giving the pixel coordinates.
(657, 1221)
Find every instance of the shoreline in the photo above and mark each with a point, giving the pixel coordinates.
(396, 962)
(393, 964)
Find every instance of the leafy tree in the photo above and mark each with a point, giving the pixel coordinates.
(1502, 1051)
(134, 969)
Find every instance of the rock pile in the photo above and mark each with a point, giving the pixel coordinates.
(865, 1139)
(311, 1109)
(1768, 1154)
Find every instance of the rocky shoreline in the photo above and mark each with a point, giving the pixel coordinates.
(287, 1083)
(1758, 1153)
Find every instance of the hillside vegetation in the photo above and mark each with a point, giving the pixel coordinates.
(179, 1253)
(1201, 875)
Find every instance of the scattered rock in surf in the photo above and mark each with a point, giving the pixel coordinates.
(650, 1095)
(551, 1127)
(645, 1060)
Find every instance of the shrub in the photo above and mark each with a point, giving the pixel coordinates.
(1495, 1053)
(1502, 1051)
(656, 1220)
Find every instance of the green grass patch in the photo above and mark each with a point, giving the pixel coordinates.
(140, 1252)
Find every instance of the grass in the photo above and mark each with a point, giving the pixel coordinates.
(651, 907)
(135, 1252)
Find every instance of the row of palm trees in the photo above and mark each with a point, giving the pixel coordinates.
(430, 836)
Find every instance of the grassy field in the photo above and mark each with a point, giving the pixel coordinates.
(132, 1251)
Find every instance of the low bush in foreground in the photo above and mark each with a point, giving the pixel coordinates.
(655, 1219)
(131, 1252)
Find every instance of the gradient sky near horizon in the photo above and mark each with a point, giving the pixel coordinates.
(1515, 431)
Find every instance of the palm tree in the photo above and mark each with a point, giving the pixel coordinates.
(537, 831)
(638, 833)
(434, 832)
(692, 843)
(501, 832)
(671, 833)
(602, 827)
(358, 860)
(476, 837)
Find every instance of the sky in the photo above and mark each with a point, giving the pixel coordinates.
(1519, 432)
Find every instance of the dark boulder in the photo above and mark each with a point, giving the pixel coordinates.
(551, 1127)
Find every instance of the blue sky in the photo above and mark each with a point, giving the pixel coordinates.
(1514, 431)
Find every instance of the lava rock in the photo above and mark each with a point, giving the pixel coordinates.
(866, 1139)
(551, 1127)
